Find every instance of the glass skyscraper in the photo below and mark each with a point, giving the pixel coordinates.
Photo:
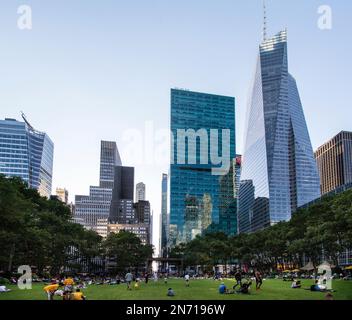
(26, 153)
(279, 172)
(194, 189)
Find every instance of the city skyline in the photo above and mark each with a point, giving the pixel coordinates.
(321, 88)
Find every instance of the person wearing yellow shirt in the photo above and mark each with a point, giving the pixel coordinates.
(68, 283)
(78, 295)
(50, 290)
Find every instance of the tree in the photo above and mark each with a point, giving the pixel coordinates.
(126, 251)
(37, 231)
(324, 228)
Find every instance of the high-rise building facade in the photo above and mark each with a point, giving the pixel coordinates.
(62, 195)
(26, 153)
(141, 230)
(92, 211)
(124, 214)
(140, 191)
(194, 188)
(142, 211)
(109, 158)
(334, 160)
(164, 216)
(279, 172)
(121, 209)
(229, 186)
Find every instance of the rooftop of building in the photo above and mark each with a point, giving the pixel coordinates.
(338, 137)
(182, 91)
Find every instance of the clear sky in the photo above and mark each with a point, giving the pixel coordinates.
(90, 70)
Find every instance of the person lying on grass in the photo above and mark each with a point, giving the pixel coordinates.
(296, 284)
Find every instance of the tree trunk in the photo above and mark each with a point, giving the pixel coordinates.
(12, 254)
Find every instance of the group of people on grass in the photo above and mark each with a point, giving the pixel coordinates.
(319, 285)
(242, 285)
(70, 288)
(170, 292)
(67, 290)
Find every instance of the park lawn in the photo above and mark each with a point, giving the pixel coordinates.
(198, 290)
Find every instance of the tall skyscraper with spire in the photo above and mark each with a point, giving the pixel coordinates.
(279, 173)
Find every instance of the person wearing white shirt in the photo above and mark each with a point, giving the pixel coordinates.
(187, 280)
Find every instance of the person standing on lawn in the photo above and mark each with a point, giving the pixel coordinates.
(129, 278)
(187, 280)
(258, 280)
(238, 277)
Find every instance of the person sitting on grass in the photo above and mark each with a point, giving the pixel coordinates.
(68, 284)
(245, 287)
(222, 288)
(66, 295)
(296, 284)
(170, 292)
(78, 295)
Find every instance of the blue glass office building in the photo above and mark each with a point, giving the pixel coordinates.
(279, 172)
(26, 153)
(194, 188)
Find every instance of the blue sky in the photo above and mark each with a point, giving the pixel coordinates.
(89, 70)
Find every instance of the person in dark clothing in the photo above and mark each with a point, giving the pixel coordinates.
(238, 277)
(170, 292)
(258, 280)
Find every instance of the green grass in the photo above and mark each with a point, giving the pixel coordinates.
(198, 290)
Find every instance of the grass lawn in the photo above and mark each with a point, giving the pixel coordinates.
(198, 290)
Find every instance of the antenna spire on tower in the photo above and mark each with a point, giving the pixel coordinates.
(264, 22)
